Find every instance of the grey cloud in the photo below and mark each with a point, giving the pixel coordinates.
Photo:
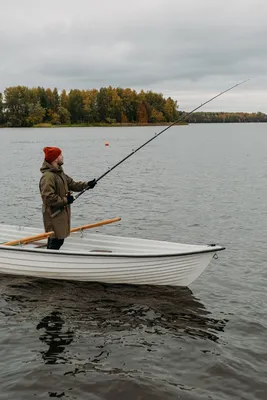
(188, 51)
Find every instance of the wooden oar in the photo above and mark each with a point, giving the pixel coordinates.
(45, 235)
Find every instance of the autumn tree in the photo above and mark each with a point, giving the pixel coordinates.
(129, 104)
(64, 99)
(90, 105)
(115, 105)
(170, 110)
(142, 115)
(143, 108)
(156, 116)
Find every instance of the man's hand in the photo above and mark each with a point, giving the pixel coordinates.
(70, 198)
(91, 184)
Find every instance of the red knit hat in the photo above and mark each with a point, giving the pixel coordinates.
(51, 153)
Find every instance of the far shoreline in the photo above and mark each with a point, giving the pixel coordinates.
(125, 125)
(96, 125)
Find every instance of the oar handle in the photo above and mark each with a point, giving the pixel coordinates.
(45, 235)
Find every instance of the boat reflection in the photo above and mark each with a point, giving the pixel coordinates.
(155, 309)
(105, 307)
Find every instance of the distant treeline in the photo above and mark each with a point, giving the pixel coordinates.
(220, 117)
(22, 106)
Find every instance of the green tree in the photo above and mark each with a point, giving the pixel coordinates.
(50, 104)
(64, 115)
(17, 104)
(93, 105)
(102, 104)
(55, 100)
(109, 105)
(155, 100)
(54, 118)
(42, 97)
(36, 114)
(75, 106)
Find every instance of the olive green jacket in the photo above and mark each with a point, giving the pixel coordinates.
(54, 186)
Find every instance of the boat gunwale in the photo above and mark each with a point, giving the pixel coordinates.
(213, 249)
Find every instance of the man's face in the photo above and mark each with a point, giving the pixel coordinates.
(60, 159)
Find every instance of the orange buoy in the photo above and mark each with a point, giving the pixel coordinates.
(107, 144)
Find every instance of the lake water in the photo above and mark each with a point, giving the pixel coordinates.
(192, 184)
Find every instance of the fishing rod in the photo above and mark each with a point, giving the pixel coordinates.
(181, 118)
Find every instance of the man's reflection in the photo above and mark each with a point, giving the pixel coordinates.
(54, 337)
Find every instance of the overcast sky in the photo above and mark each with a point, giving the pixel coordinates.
(189, 50)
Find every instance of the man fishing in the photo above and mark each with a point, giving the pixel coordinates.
(55, 189)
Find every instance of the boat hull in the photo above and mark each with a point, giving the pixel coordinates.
(179, 270)
(96, 257)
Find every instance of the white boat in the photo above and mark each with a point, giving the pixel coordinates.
(105, 258)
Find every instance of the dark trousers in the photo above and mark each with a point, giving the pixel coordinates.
(54, 243)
